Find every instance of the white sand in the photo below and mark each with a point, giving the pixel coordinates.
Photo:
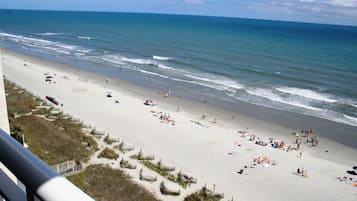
(201, 152)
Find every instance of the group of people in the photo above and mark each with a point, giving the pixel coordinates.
(313, 140)
(166, 118)
(273, 142)
(306, 132)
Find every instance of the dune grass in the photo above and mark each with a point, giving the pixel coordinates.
(204, 195)
(52, 144)
(108, 153)
(18, 103)
(53, 141)
(108, 140)
(106, 184)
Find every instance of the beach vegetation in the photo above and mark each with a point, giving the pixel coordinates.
(15, 132)
(176, 178)
(164, 190)
(53, 141)
(204, 194)
(105, 183)
(108, 140)
(108, 153)
(18, 103)
(122, 148)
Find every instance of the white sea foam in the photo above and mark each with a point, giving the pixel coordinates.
(306, 93)
(161, 58)
(84, 50)
(84, 37)
(217, 87)
(139, 61)
(49, 34)
(113, 59)
(165, 67)
(354, 105)
(57, 50)
(218, 80)
(152, 73)
(351, 118)
(40, 43)
(268, 94)
(79, 54)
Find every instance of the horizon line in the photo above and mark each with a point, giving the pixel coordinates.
(183, 14)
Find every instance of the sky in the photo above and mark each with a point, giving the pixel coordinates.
(317, 11)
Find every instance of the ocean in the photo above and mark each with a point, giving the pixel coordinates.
(309, 69)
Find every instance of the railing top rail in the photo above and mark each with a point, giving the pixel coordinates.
(36, 174)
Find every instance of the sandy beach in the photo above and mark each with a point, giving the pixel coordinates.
(213, 152)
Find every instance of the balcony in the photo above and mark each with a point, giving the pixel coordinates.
(35, 179)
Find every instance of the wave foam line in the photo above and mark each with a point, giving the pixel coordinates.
(48, 34)
(351, 118)
(181, 80)
(113, 59)
(165, 67)
(226, 82)
(268, 94)
(306, 93)
(161, 58)
(147, 62)
(35, 41)
(84, 37)
(139, 61)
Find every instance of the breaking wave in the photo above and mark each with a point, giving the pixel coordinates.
(306, 93)
(268, 94)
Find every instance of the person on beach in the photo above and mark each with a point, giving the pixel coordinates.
(204, 116)
(178, 109)
(302, 171)
(316, 142)
(300, 154)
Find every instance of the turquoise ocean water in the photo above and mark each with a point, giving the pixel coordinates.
(303, 68)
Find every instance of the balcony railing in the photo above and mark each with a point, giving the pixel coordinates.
(40, 181)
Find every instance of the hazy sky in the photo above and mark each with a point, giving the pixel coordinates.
(321, 11)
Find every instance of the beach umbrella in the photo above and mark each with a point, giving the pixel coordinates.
(297, 134)
(49, 77)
